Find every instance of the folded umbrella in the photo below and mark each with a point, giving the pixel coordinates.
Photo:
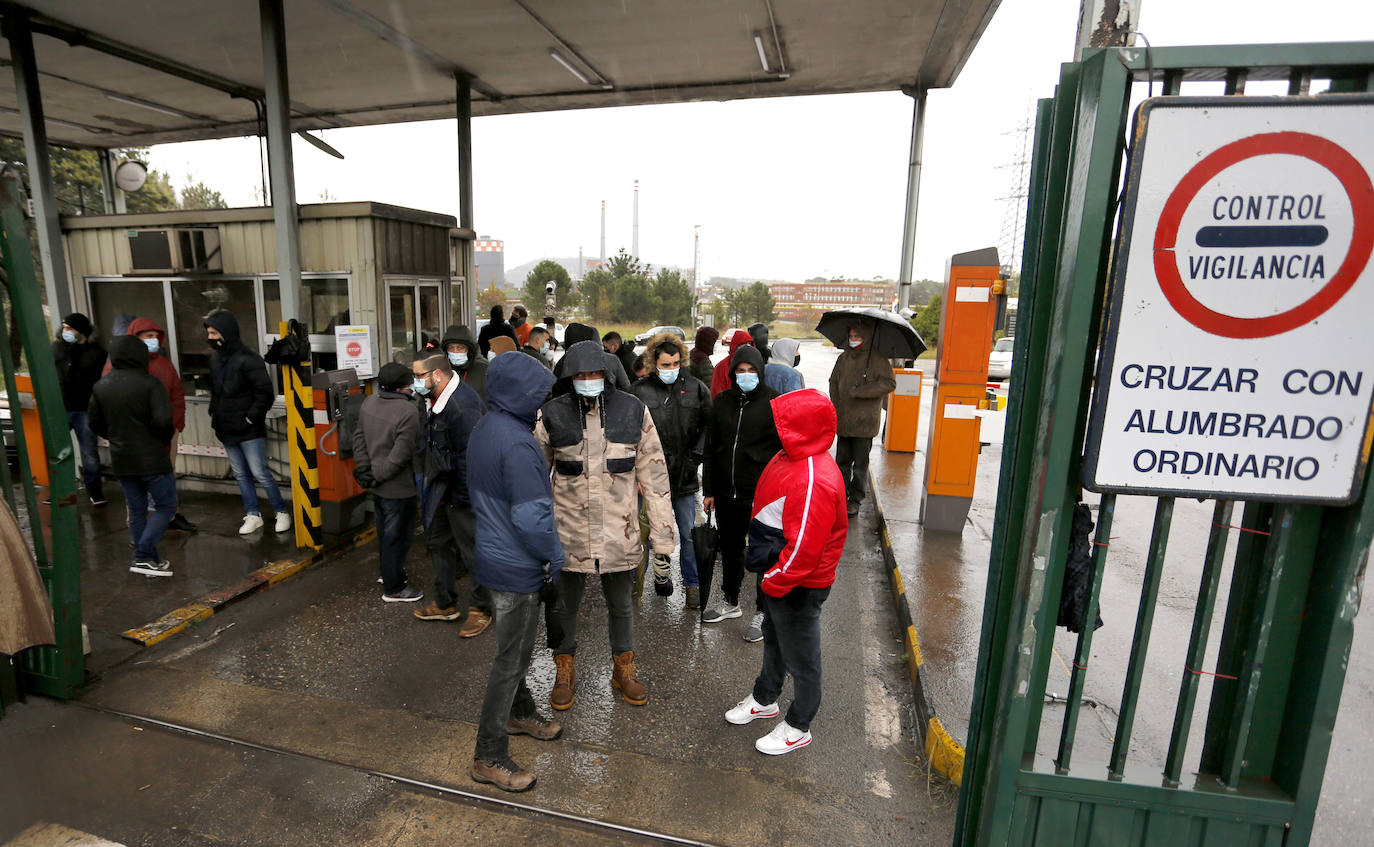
(893, 335)
(706, 545)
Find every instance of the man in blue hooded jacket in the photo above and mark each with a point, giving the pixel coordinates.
(517, 551)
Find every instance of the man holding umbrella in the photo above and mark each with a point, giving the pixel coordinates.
(859, 383)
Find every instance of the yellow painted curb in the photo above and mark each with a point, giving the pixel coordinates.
(945, 755)
(897, 579)
(913, 646)
(169, 624)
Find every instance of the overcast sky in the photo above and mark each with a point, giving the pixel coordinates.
(782, 188)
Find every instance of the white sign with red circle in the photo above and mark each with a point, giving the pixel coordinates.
(1236, 356)
(353, 346)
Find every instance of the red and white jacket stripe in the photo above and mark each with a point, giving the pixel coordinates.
(799, 518)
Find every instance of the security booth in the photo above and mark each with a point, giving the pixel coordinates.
(393, 277)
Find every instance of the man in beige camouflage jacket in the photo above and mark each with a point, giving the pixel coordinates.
(604, 452)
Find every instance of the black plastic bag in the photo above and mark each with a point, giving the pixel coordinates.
(1078, 573)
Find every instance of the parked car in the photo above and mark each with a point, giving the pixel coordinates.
(999, 360)
(643, 337)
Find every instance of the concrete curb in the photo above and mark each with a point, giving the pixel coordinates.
(945, 755)
(265, 577)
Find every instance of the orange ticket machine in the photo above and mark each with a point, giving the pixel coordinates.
(903, 411)
(338, 395)
(970, 308)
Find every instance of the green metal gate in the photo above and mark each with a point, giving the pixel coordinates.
(53, 671)
(1269, 720)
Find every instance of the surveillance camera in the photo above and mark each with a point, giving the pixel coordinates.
(550, 287)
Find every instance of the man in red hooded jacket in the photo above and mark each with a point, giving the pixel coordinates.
(154, 337)
(796, 538)
(720, 377)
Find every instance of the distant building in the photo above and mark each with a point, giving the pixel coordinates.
(491, 261)
(796, 301)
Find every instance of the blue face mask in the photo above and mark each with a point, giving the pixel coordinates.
(747, 382)
(419, 386)
(589, 387)
(458, 359)
(668, 376)
(68, 336)
(151, 344)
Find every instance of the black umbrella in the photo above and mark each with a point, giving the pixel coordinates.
(893, 337)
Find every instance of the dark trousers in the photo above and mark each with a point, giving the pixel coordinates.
(395, 529)
(160, 491)
(732, 523)
(792, 644)
(452, 538)
(851, 454)
(618, 589)
(90, 454)
(516, 618)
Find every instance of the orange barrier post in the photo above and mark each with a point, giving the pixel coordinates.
(966, 328)
(904, 411)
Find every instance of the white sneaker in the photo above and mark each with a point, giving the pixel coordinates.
(251, 524)
(721, 612)
(783, 739)
(748, 710)
(283, 521)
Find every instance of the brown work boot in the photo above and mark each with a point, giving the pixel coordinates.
(623, 678)
(432, 611)
(535, 727)
(507, 775)
(476, 624)
(561, 698)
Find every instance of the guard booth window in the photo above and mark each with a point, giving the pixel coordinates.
(131, 299)
(324, 305)
(192, 300)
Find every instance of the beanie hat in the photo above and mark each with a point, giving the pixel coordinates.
(80, 323)
(393, 376)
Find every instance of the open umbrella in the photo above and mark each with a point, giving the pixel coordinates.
(893, 337)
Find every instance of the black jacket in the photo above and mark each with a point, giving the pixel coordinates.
(494, 328)
(474, 373)
(680, 412)
(741, 437)
(78, 368)
(241, 390)
(131, 409)
(444, 448)
(628, 357)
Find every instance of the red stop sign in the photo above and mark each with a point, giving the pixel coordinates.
(354, 349)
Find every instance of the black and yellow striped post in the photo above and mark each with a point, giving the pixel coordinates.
(300, 439)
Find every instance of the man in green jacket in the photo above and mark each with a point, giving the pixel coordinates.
(859, 385)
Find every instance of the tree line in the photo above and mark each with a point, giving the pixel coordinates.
(81, 191)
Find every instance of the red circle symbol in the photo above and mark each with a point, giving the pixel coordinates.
(1324, 152)
(354, 349)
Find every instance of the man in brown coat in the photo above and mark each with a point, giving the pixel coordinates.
(859, 383)
(605, 454)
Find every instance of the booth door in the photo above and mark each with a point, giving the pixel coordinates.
(415, 317)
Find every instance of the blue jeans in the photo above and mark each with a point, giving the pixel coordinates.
(249, 461)
(160, 490)
(90, 454)
(395, 528)
(515, 621)
(685, 514)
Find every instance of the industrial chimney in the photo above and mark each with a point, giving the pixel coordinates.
(603, 233)
(634, 241)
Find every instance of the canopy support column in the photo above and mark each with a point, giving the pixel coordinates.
(913, 193)
(463, 83)
(36, 153)
(281, 166)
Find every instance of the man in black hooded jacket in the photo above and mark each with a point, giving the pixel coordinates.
(241, 392)
(131, 409)
(496, 326)
(460, 345)
(79, 360)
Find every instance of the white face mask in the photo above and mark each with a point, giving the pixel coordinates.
(589, 387)
(458, 359)
(856, 342)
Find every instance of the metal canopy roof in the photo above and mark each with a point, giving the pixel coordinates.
(122, 73)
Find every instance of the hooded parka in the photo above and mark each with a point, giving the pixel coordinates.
(474, 371)
(859, 383)
(741, 437)
(605, 454)
(130, 409)
(680, 412)
(721, 378)
(241, 390)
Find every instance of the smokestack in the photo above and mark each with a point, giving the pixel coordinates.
(603, 233)
(634, 242)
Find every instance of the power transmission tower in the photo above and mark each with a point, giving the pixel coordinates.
(1009, 243)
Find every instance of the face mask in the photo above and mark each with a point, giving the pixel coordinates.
(458, 359)
(856, 344)
(419, 387)
(668, 376)
(151, 344)
(544, 348)
(68, 336)
(217, 343)
(589, 387)
(747, 382)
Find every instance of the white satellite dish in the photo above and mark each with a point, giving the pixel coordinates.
(131, 175)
